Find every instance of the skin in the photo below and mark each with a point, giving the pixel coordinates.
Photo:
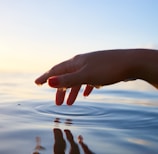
(100, 68)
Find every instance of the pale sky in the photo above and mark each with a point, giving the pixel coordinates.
(36, 34)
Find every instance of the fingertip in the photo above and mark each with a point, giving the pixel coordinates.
(58, 104)
(65, 130)
(80, 139)
(87, 90)
(69, 102)
(41, 80)
(85, 94)
(59, 101)
(53, 82)
(37, 82)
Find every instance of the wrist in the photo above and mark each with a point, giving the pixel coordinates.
(143, 64)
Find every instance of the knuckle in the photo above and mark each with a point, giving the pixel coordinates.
(77, 57)
(78, 60)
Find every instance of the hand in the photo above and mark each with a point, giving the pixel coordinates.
(98, 69)
(94, 69)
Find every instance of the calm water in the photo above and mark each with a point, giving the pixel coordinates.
(118, 119)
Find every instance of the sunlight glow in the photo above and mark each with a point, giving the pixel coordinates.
(35, 35)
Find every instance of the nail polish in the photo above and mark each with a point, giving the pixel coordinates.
(53, 81)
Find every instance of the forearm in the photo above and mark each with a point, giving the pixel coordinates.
(145, 65)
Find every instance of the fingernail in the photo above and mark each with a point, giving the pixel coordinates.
(53, 82)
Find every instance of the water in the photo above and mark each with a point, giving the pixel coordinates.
(117, 119)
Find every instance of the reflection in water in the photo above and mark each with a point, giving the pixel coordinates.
(57, 120)
(67, 122)
(83, 145)
(60, 143)
(138, 141)
(38, 147)
(117, 119)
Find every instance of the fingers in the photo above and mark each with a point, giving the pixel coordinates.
(73, 95)
(67, 80)
(72, 80)
(60, 144)
(88, 90)
(61, 68)
(74, 147)
(69, 135)
(60, 95)
(65, 67)
(69, 74)
(42, 79)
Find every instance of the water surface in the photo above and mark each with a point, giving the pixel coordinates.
(117, 119)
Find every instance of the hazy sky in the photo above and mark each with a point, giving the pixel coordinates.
(36, 34)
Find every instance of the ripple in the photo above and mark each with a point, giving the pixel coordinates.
(73, 111)
(79, 115)
(101, 115)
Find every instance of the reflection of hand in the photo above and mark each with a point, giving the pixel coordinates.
(38, 147)
(74, 147)
(100, 68)
(60, 144)
(84, 146)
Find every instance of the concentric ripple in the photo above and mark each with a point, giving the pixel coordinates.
(73, 111)
(102, 115)
(79, 115)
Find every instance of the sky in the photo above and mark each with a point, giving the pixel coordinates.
(37, 34)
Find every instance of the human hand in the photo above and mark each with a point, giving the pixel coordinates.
(93, 69)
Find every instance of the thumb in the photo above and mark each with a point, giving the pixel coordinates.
(66, 80)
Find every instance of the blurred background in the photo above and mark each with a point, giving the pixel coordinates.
(35, 35)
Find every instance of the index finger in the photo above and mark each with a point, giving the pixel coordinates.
(62, 68)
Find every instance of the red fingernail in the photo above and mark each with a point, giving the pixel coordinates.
(53, 82)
